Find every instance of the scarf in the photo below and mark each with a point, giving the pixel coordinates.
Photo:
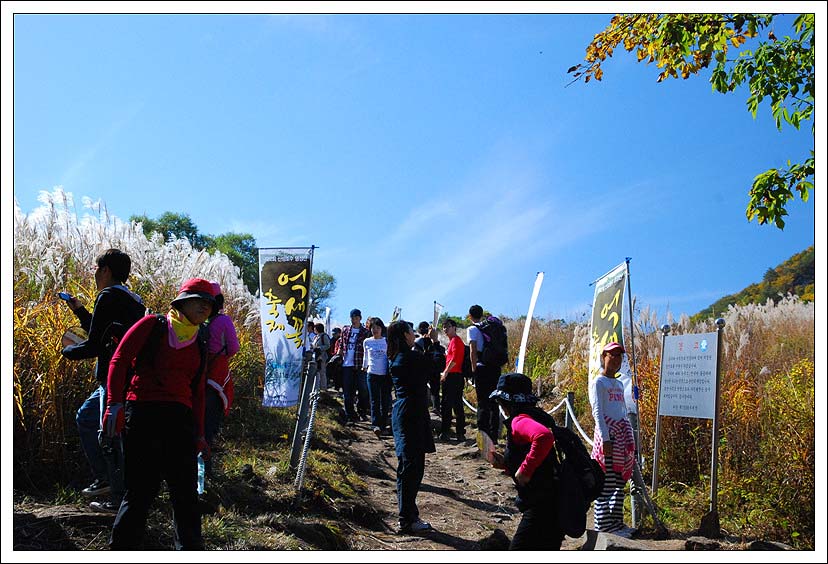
(183, 332)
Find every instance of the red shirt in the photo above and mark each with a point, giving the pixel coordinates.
(455, 352)
(168, 377)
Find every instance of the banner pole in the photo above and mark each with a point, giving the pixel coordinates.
(636, 497)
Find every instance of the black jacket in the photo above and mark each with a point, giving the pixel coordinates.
(116, 310)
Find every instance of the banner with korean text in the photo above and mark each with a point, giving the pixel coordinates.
(607, 312)
(284, 278)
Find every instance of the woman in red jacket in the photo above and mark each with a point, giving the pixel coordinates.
(155, 393)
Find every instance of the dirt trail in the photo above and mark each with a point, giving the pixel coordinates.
(462, 496)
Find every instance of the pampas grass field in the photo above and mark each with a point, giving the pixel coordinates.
(766, 452)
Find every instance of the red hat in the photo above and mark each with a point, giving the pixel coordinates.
(195, 288)
(613, 346)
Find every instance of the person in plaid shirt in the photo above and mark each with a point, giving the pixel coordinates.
(349, 346)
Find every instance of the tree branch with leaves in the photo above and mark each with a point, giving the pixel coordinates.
(780, 70)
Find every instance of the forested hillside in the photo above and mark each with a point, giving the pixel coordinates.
(794, 276)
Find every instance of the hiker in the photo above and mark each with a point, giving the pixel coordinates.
(116, 310)
(410, 422)
(613, 443)
(333, 369)
(485, 377)
(161, 409)
(452, 382)
(427, 347)
(321, 345)
(354, 382)
(529, 459)
(375, 364)
(222, 345)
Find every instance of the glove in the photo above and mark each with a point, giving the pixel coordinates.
(203, 448)
(113, 420)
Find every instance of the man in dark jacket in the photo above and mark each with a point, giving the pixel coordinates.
(116, 310)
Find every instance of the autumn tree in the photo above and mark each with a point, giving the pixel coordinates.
(780, 70)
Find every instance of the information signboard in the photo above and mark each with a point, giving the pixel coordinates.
(688, 376)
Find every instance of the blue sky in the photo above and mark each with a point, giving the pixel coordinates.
(429, 157)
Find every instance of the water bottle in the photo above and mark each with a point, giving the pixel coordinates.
(201, 472)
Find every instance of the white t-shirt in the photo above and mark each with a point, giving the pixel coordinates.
(375, 360)
(475, 334)
(350, 350)
(607, 398)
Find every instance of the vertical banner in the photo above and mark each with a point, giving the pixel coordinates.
(525, 338)
(438, 309)
(284, 278)
(396, 315)
(328, 321)
(607, 312)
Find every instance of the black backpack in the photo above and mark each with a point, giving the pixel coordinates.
(495, 343)
(580, 478)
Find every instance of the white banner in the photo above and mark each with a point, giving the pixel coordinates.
(328, 321)
(284, 278)
(688, 376)
(396, 315)
(525, 338)
(438, 309)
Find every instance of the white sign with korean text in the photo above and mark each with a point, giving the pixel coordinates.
(688, 376)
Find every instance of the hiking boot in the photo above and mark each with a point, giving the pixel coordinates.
(461, 437)
(445, 437)
(96, 488)
(418, 526)
(104, 506)
(625, 532)
(377, 431)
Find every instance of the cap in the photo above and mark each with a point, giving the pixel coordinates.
(195, 288)
(356, 312)
(514, 387)
(613, 346)
(216, 289)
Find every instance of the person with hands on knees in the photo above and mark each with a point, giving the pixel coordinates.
(529, 459)
(613, 442)
(161, 411)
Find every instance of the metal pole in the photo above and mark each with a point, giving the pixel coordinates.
(665, 329)
(302, 416)
(636, 497)
(710, 526)
(570, 399)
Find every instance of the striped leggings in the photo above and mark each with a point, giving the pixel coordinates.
(609, 506)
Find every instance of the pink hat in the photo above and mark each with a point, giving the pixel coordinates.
(613, 346)
(216, 288)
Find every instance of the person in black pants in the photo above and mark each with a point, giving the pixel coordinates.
(410, 422)
(452, 381)
(485, 378)
(163, 420)
(529, 459)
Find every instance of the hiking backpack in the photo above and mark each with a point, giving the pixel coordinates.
(580, 478)
(495, 344)
(149, 352)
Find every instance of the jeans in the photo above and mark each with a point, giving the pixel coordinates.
(453, 401)
(488, 415)
(107, 460)
(379, 390)
(354, 382)
(410, 470)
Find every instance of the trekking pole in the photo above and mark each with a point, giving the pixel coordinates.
(300, 474)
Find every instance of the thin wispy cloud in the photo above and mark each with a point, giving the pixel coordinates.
(70, 176)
